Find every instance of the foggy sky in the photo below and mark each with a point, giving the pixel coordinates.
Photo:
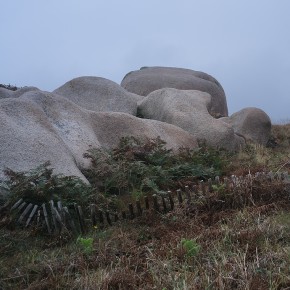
(245, 44)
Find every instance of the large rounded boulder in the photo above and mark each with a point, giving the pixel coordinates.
(99, 95)
(188, 109)
(149, 79)
(251, 123)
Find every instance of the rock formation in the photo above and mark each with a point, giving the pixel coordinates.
(149, 79)
(40, 126)
(189, 111)
(178, 105)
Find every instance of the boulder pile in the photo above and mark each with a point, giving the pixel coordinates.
(180, 106)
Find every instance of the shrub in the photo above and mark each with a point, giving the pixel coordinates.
(40, 185)
(149, 166)
(191, 247)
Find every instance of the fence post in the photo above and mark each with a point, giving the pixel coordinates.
(209, 182)
(139, 208)
(31, 215)
(170, 200)
(56, 228)
(155, 202)
(108, 218)
(69, 219)
(179, 196)
(93, 214)
(131, 211)
(217, 180)
(46, 218)
(25, 212)
(16, 204)
(187, 192)
(147, 202)
(164, 204)
(202, 187)
(81, 219)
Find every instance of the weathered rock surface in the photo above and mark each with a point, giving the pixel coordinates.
(99, 95)
(6, 93)
(252, 123)
(178, 105)
(149, 79)
(188, 109)
(40, 126)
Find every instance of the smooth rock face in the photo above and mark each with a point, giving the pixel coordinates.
(110, 127)
(99, 95)
(149, 79)
(29, 139)
(252, 123)
(40, 126)
(189, 111)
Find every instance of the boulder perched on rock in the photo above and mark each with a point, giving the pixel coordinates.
(188, 109)
(99, 95)
(251, 123)
(149, 79)
(40, 126)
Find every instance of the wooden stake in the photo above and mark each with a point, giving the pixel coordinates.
(93, 214)
(147, 202)
(187, 192)
(38, 217)
(53, 215)
(23, 204)
(217, 180)
(101, 218)
(139, 208)
(164, 204)
(179, 196)
(25, 212)
(31, 215)
(69, 218)
(16, 204)
(131, 211)
(209, 182)
(202, 187)
(108, 218)
(170, 200)
(155, 202)
(81, 219)
(46, 218)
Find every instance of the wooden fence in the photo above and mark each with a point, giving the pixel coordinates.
(55, 218)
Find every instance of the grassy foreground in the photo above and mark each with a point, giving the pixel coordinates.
(238, 246)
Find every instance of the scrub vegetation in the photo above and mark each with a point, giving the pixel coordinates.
(243, 242)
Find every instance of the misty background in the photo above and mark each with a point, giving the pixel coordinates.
(245, 44)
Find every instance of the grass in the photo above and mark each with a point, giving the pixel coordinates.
(244, 244)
